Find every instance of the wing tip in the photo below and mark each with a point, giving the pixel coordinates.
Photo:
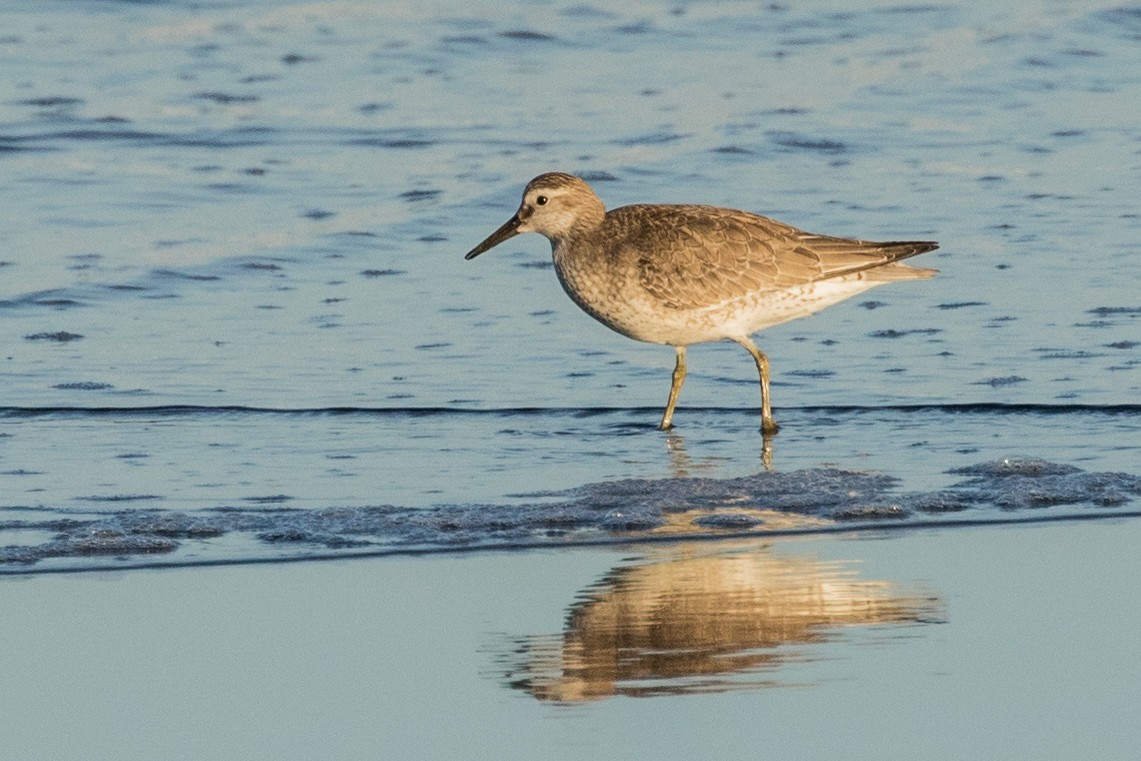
(905, 248)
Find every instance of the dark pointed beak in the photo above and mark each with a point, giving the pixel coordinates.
(509, 229)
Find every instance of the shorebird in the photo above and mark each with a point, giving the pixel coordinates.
(685, 274)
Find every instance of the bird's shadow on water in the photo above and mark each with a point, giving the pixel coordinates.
(700, 618)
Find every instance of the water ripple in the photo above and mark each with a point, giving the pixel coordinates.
(810, 500)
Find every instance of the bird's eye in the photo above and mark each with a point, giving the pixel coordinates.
(541, 201)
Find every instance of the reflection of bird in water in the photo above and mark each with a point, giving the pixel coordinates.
(684, 274)
(682, 465)
(703, 624)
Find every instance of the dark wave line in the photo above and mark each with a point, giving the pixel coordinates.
(600, 542)
(191, 410)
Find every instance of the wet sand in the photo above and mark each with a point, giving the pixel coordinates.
(1022, 644)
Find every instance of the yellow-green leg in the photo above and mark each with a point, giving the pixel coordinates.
(675, 389)
(768, 425)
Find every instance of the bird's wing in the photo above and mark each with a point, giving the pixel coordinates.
(694, 256)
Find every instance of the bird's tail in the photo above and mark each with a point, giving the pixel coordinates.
(871, 260)
(894, 252)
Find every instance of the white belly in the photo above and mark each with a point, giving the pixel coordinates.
(650, 321)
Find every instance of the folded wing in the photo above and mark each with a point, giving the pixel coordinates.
(703, 256)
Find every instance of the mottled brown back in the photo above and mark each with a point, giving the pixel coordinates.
(705, 255)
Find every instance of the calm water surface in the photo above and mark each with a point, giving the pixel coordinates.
(237, 326)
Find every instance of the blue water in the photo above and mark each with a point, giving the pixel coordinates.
(233, 301)
(237, 330)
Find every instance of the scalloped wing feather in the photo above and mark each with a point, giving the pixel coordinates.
(702, 255)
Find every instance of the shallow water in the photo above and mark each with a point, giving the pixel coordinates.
(153, 487)
(236, 277)
(238, 328)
